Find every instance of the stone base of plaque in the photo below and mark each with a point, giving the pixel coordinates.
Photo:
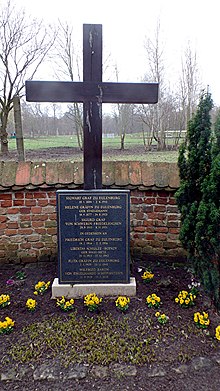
(80, 290)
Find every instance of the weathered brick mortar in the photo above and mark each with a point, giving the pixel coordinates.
(28, 228)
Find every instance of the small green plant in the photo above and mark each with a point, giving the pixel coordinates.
(185, 299)
(162, 318)
(217, 333)
(201, 320)
(65, 305)
(92, 302)
(20, 275)
(41, 287)
(147, 276)
(31, 305)
(194, 287)
(4, 300)
(122, 303)
(6, 326)
(153, 301)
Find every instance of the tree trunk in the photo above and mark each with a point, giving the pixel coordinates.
(122, 142)
(18, 128)
(4, 134)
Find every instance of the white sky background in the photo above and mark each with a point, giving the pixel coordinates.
(128, 23)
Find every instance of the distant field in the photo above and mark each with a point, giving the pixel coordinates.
(134, 149)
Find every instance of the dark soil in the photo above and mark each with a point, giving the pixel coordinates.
(176, 342)
(62, 153)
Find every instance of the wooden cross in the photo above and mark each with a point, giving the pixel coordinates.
(92, 92)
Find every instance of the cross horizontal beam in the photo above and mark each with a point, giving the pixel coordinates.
(68, 91)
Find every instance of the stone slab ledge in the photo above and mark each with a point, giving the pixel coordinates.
(80, 290)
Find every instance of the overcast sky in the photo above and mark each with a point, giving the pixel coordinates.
(127, 24)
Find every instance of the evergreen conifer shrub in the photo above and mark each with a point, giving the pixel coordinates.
(198, 196)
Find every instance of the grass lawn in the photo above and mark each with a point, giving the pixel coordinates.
(134, 149)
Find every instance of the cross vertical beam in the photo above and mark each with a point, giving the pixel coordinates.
(92, 111)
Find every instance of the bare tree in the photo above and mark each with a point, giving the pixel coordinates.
(67, 61)
(154, 117)
(190, 85)
(24, 43)
(123, 117)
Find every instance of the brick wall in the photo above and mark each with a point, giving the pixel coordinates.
(28, 206)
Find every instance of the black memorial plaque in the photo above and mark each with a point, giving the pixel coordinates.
(93, 236)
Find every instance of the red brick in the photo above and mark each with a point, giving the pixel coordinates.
(150, 229)
(150, 200)
(172, 201)
(6, 196)
(40, 231)
(172, 217)
(25, 210)
(39, 194)
(13, 211)
(29, 195)
(174, 230)
(163, 193)
(161, 229)
(3, 219)
(173, 237)
(36, 210)
(25, 217)
(9, 232)
(173, 224)
(52, 231)
(159, 208)
(25, 245)
(53, 216)
(38, 245)
(6, 204)
(138, 235)
(25, 231)
(52, 202)
(51, 194)
(37, 224)
(160, 236)
(162, 200)
(12, 225)
(18, 202)
(157, 243)
(148, 193)
(33, 238)
(149, 236)
(136, 200)
(43, 202)
(39, 217)
(139, 215)
(149, 223)
(139, 229)
(19, 195)
(30, 202)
